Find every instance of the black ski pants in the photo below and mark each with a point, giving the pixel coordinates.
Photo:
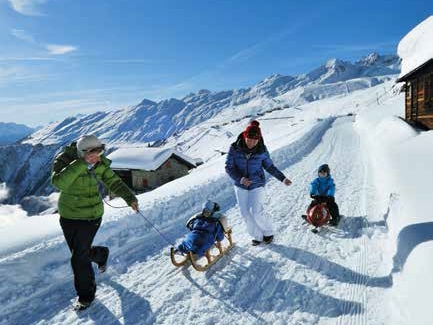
(330, 203)
(79, 236)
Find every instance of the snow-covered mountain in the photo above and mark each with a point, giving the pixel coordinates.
(167, 120)
(25, 169)
(12, 132)
(150, 121)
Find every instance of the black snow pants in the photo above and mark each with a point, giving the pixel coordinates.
(79, 236)
(331, 205)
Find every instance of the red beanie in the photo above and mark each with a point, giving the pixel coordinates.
(253, 131)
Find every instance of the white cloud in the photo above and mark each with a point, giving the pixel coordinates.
(27, 7)
(19, 74)
(34, 58)
(60, 49)
(53, 49)
(23, 35)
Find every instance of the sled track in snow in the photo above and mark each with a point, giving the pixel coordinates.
(353, 306)
(356, 290)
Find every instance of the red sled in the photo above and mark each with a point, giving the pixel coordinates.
(318, 215)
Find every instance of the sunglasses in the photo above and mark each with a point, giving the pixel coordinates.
(98, 150)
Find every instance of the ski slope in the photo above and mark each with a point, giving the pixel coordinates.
(334, 277)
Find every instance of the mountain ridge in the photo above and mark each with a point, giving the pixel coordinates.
(12, 132)
(151, 121)
(164, 123)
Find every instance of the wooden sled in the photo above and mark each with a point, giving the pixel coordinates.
(209, 256)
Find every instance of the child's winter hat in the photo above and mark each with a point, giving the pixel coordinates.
(253, 130)
(324, 168)
(87, 142)
(210, 206)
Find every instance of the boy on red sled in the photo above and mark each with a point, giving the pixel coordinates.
(322, 191)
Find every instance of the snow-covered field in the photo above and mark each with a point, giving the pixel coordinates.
(374, 269)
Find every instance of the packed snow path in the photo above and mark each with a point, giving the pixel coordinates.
(301, 278)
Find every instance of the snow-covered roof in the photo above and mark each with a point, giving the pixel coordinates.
(416, 48)
(145, 158)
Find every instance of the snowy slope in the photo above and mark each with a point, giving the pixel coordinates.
(337, 277)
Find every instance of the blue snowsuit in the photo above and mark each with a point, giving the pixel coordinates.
(204, 232)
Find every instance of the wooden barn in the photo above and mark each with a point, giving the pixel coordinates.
(144, 169)
(419, 95)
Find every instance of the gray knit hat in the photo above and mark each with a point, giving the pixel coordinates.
(87, 142)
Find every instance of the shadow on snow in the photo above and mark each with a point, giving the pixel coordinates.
(330, 269)
(355, 227)
(254, 287)
(408, 238)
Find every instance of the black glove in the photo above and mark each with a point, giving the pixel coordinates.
(319, 198)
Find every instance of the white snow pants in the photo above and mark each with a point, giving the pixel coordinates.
(252, 211)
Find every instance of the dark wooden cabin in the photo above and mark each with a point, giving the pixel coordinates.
(144, 169)
(419, 95)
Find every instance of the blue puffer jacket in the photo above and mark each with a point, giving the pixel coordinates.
(250, 163)
(204, 233)
(323, 186)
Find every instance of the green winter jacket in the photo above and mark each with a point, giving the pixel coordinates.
(79, 194)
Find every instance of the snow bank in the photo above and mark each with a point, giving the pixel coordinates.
(402, 169)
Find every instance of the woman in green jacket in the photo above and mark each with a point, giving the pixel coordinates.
(80, 172)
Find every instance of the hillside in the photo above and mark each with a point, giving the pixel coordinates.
(341, 276)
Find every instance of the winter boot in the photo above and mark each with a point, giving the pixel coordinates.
(102, 267)
(178, 252)
(82, 305)
(268, 239)
(334, 221)
(255, 242)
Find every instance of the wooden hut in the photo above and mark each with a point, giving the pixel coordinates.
(419, 95)
(144, 169)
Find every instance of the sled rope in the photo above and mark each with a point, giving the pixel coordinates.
(160, 233)
(100, 191)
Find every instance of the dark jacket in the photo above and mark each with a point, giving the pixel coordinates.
(204, 232)
(250, 163)
(80, 197)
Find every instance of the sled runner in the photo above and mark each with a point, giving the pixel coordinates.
(210, 257)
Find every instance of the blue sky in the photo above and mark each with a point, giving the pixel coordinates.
(63, 57)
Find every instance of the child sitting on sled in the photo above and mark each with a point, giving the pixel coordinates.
(322, 190)
(206, 228)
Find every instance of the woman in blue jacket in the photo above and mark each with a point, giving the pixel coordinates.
(206, 228)
(322, 190)
(246, 161)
